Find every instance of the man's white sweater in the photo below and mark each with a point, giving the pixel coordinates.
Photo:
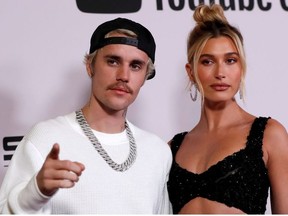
(141, 189)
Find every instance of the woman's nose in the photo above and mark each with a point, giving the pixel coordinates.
(219, 72)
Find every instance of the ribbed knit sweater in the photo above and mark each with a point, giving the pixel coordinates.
(141, 189)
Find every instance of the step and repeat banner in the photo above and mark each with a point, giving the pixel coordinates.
(42, 75)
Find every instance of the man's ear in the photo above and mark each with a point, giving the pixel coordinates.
(89, 70)
(190, 72)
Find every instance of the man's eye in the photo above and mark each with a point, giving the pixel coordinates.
(135, 67)
(111, 61)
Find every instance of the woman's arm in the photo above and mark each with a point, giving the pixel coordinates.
(276, 146)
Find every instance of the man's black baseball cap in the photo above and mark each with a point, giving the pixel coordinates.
(144, 40)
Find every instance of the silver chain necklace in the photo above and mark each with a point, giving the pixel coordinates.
(97, 145)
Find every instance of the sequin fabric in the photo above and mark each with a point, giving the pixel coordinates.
(240, 180)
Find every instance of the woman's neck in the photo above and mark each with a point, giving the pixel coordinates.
(222, 115)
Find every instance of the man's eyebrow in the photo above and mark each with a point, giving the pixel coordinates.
(138, 61)
(119, 58)
(111, 56)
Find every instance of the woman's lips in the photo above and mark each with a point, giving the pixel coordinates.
(220, 87)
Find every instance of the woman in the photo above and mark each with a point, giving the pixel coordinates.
(228, 161)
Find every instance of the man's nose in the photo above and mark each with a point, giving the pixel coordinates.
(123, 74)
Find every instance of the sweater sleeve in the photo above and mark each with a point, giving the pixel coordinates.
(165, 206)
(27, 199)
(19, 193)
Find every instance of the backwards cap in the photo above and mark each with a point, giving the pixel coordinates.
(144, 40)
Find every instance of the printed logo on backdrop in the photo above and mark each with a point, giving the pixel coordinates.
(109, 6)
(131, 6)
(9, 146)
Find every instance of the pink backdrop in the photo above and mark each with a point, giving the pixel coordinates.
(42, 74)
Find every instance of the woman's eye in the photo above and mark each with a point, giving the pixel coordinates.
(231, 60)
(206, 61)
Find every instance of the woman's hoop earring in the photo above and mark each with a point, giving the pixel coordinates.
(241, 94)
(193, 96)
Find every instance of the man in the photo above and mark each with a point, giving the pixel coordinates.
(94, 161)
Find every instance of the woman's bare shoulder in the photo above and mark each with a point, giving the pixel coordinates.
(275, 136)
